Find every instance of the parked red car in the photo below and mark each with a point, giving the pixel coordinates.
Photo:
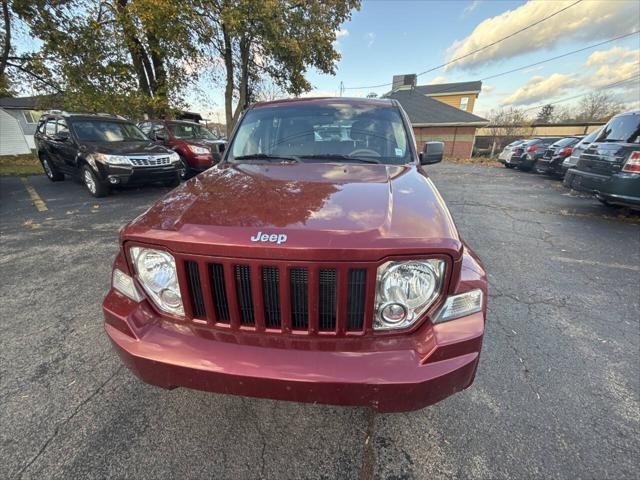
(198, 148)
(304, 267)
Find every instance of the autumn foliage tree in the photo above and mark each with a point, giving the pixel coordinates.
(276, 40)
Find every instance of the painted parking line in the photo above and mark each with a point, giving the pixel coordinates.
(35, 198)
(593, 263)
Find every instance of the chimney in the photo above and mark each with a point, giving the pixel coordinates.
(404, 82)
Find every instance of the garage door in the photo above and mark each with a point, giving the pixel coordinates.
(12, 140)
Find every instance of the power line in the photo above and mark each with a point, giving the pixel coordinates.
(477, 50)
(561, 56)
(617, 83)
(455, 87)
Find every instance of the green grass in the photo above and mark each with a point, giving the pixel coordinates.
(20, 165)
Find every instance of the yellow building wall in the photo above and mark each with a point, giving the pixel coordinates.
(454, 100)
(545, 130)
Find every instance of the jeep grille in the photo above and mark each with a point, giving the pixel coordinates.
(278, 296)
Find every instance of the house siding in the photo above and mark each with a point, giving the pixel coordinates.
(458, 141)
(12, 140)
(454, 100)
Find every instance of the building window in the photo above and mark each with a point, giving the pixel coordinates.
(464, 101)
(32, 116)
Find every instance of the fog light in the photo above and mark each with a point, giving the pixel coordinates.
(393, 313)
(114, 180)
(171, 298)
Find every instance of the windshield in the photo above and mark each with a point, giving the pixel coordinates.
(625, 129)
(190, 130)
(336, 131)
(107, 131)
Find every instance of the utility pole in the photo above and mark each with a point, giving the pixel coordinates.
(341, 88)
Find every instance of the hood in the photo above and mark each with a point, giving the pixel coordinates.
(143, 147)
(315, 205)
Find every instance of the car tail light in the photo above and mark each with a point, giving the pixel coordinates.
(566, 151)
(532, 148)
(633, 163)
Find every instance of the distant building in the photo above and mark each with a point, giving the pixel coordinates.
(440, 112)
(18, 119)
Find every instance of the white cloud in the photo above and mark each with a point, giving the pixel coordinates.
(469, 9)
(370, 38)
(487, 89)
(589, 20)
(540, 89)
(613, 65)
(343, 32)
(437, 80)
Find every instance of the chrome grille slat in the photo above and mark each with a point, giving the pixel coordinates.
(149, 161)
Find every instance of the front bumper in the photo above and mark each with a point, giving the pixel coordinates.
(319, 370)
(550, 166)
(619, 189)
(126, 175)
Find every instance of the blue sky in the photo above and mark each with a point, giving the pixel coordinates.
(395, 37)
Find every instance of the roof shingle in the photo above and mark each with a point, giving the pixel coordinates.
(425, 110)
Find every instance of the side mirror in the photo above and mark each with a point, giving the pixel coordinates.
(432, 153)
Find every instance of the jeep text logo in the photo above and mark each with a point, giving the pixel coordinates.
(272, 238)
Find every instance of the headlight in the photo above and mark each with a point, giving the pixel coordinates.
(405, 290)
(461, 305)
(174, 157)
(111, 159)
(199, 150)
(124, 284)
(156, 270)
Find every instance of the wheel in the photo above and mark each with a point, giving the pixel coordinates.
(508, 165)
(95, 186)
(172, 183)
(51, 172)
(185, 171)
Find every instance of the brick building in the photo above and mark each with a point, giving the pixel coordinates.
(440, 112)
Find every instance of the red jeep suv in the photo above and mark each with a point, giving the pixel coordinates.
(304, 267)
(198, 148)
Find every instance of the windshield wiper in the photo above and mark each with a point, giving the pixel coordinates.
(269, 158)
(337, 156)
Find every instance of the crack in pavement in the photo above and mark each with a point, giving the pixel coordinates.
(56, 430)
(368, 455)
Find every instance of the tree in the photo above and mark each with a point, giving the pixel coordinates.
(505, 126)
(545, 115)
(5, 48)
(598, 106)
(270, 39)
(120, 56)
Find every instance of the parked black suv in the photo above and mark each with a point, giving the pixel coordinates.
(103, 150)
(610, 167)
(551, 161)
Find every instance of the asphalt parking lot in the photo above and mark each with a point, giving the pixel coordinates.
(556, 395)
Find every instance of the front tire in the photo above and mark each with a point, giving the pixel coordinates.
(185, 171)
(93, 184)
(508, 165)
(50, 171)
